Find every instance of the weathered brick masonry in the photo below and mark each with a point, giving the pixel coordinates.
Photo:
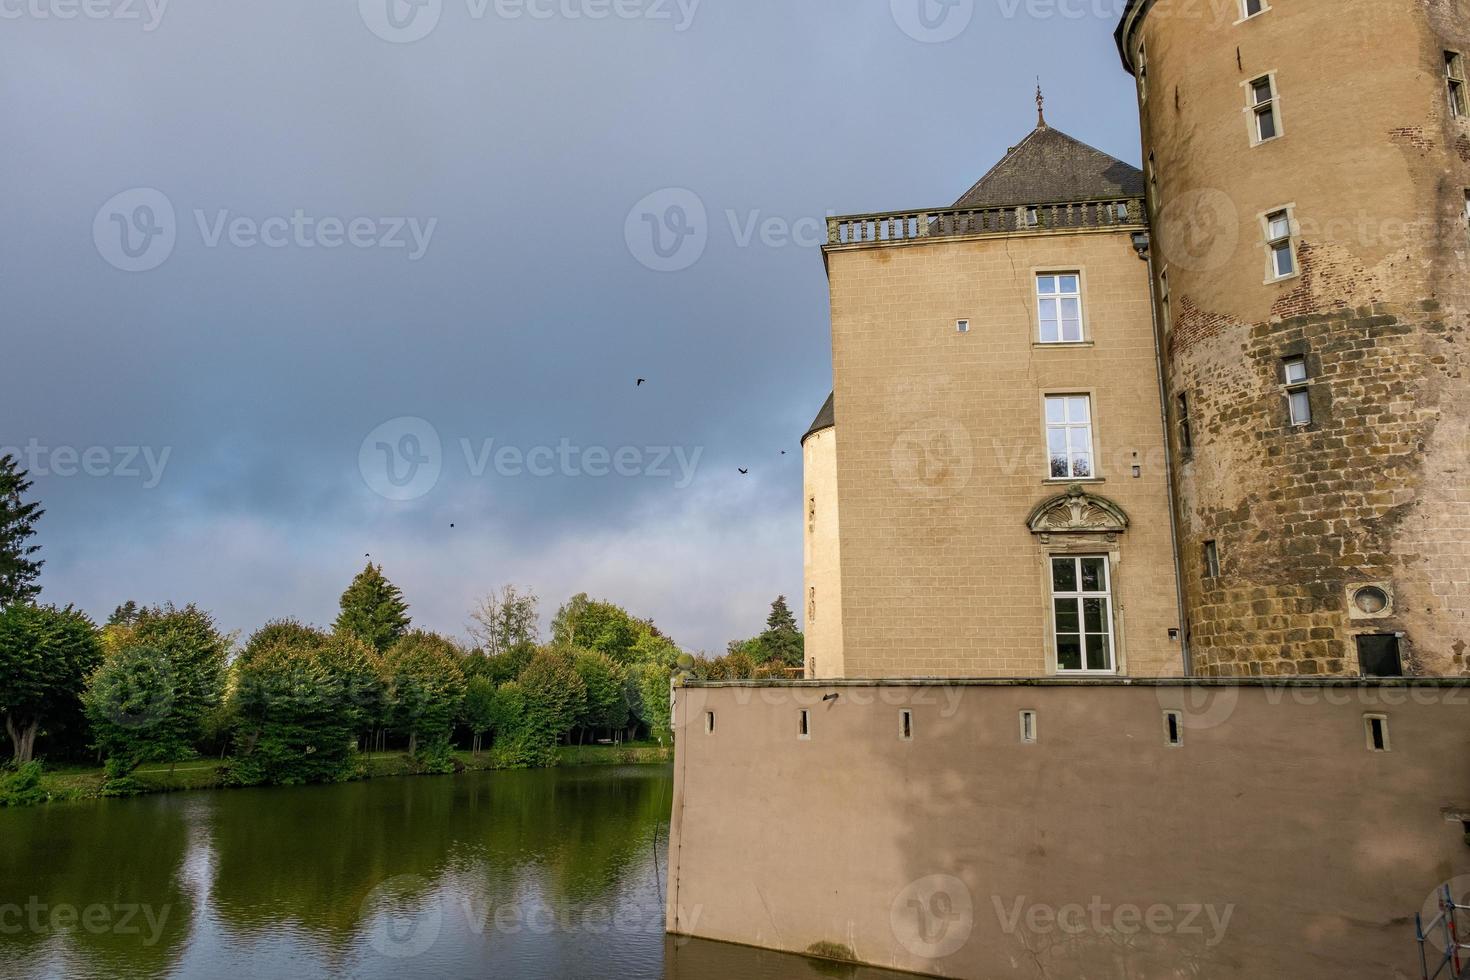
(1371, 163)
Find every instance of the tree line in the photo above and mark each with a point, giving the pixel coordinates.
(296, 703)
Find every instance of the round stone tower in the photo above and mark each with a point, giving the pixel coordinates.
(1308, 166)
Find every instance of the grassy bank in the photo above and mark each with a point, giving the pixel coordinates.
(67, 782)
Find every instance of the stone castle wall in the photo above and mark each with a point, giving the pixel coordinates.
(1375, 169)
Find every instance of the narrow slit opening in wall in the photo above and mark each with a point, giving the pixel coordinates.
(1377, 726)
(709, 722)
(804, 725)
(962, 326)
(1173, 728)
(1028, 727)
(906, 725)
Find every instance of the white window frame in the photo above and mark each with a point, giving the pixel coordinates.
(1166, 311)
(1270, 107)
(1142, 62)
(1298, 387)
(1245, 10)
(1455, 87)
(1080, 598)
(1076, 431)
(1274, 242)
(1058, 297)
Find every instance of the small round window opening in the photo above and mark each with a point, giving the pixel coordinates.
(1370, 600)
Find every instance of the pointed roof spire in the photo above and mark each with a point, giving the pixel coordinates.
(1040, 105)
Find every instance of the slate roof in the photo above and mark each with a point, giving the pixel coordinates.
(826, 418)
(1050, 167)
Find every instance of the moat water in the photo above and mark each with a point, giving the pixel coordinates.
(549, 874)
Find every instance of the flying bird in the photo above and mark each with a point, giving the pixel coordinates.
(783, 452)
(639, 382)
(742, 470)
(451, 524)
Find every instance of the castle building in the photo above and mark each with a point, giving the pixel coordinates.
(1202, 418)
(997, 503)
(1308, 172)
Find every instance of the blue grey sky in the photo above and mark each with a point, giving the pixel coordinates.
(370, 227)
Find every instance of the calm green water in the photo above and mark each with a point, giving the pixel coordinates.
(557, 874)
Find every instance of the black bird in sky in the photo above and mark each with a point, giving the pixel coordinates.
(451, 524)
(639, 382)
(783, 452)
(742, 470)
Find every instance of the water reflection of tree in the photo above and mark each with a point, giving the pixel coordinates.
(114, 854)
(311, 857)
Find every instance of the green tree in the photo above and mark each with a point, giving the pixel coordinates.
(506, 620)
(653, 700)
(18, 566)
(425, 688)
(290, 632)
(590, 624)
(197, 652)
(124, 615)
(364, 679)
(373, 608)
(130, 704)
(556, 695)
(479, 708)
(46, 655)
(606, 704)
(294, 715)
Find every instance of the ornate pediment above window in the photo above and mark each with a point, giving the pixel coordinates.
(1078, 512)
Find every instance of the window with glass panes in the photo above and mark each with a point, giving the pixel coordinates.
(1263, 104)
(1278, 240)
(1059, 307)
(1082, 611)
(1069, 436)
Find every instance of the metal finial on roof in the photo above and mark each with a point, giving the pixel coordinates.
(1040, 105)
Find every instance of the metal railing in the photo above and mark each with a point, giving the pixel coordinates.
(902, 226)
(1445, 925)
